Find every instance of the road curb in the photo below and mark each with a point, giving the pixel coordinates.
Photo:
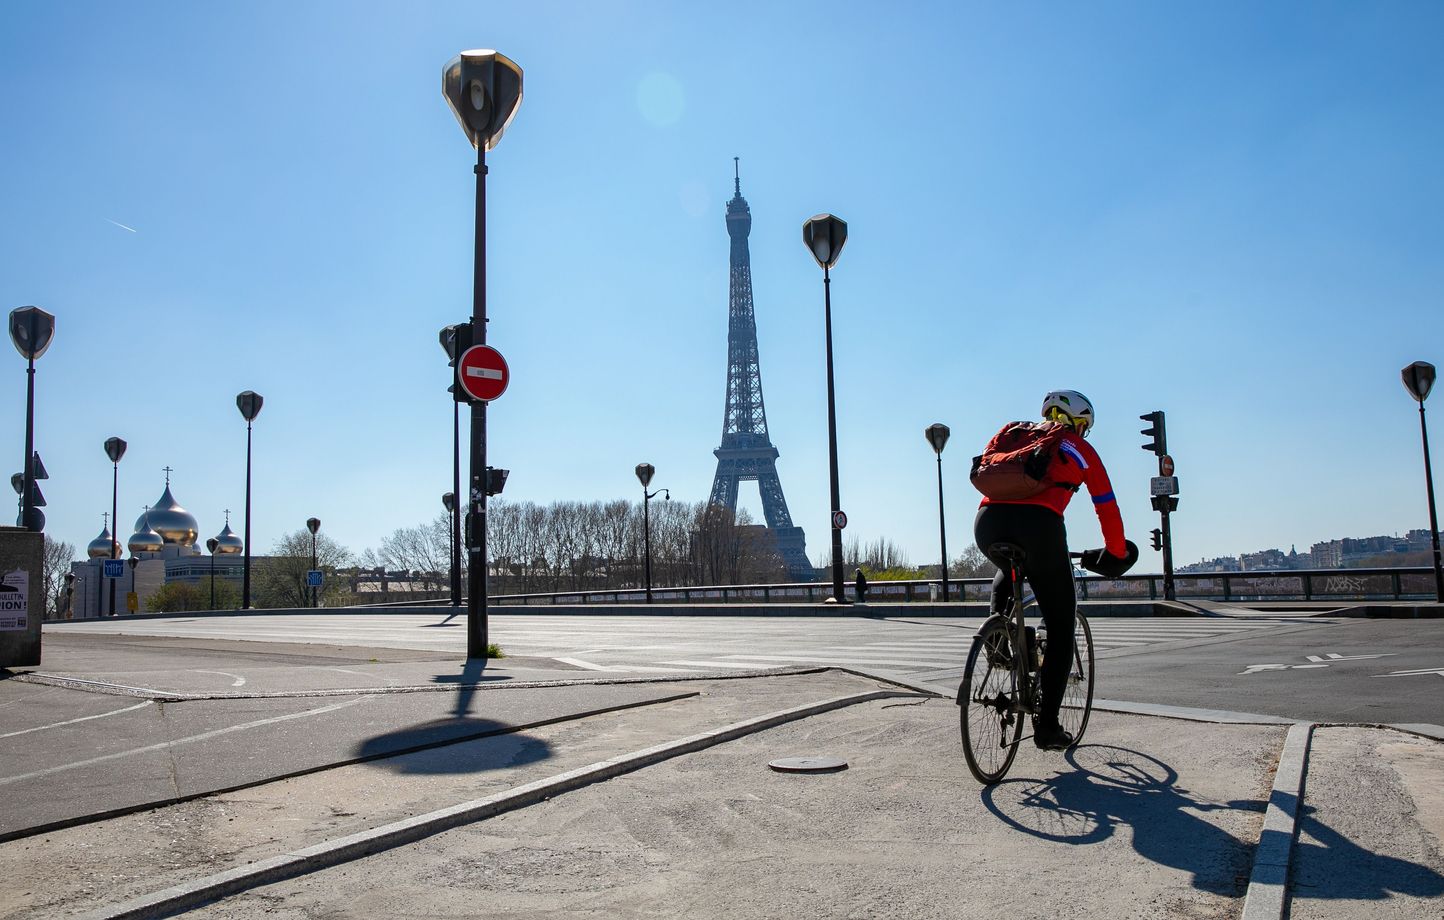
(189, 895)
(1268, 885)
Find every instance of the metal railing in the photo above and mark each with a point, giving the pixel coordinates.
(1306, 585)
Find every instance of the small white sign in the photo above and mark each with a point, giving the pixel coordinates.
(1163, 485)
(15, 601)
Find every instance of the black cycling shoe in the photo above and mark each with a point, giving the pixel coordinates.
(1051, 737)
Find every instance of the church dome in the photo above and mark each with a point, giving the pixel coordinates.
(227, 542)
(176, 525)
(145, 539)
(104, 546)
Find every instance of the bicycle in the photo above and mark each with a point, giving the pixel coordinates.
(1000, 685)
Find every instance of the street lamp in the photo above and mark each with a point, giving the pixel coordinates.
(645, 472)
(825, 236)
(1419, 380)
(313, 525)
(448, 501)
(114, 449)
(455, 340)
(31, 329)
(937, 435)
(483, 89)
(211, 545)
(250, 405)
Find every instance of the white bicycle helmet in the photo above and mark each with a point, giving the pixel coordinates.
(1070, 407)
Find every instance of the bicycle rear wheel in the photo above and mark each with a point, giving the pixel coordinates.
(1078, 692)
(990, 723)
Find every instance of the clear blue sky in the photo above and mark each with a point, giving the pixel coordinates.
(1230, 211)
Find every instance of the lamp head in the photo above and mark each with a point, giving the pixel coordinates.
(448, 501)
(249, 403)
(937, 435)
(825, 236)
(114, 449)
(1419, 380)
(31, 329)
(313, 525)
(645, 471)
(483, 89)
(211, 545)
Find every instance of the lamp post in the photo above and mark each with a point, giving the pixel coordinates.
(454, 340)
(211, 545)
(824, 236)
(937, 435)
(250, 405)
(1419, 380)
(484, 90)
(132, 562)
(645, 471)
(69, 596)
(114, 449)
(448, 501)
(313, 525)
(31, 330)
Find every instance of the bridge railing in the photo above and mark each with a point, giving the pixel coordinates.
(1307, 585)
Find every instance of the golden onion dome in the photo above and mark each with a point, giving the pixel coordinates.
(228, 542)
(104, 546)
(176, 525)
(145, 539)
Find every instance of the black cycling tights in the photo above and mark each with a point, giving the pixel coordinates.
(1049, 571)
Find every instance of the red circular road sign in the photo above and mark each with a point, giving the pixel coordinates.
(482, 373)
(839, 519)
(1165, 465)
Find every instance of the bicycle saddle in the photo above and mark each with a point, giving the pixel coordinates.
(1008, 552)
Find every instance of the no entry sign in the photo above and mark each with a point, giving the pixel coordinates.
(482, 373)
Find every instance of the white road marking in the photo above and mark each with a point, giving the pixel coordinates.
(1415, 673)
(238, 682)
(1332, 657)
(204, 736)
(113, 712)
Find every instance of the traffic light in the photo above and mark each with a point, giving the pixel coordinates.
(1159, 444)
(1157, 538)
(460, 340)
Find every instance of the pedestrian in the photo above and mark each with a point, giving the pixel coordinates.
(860, 586)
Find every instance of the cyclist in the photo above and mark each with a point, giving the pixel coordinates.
(1036, 524)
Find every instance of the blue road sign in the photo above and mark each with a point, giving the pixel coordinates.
(313, 578)
(114, 568)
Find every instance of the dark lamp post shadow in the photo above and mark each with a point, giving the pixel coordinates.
(249, 403)
(313, 525)
(211, 545)
(937, 435)
(484, 90)
(825, 235)
(645, 472)
(1419, 380)
(31, 331)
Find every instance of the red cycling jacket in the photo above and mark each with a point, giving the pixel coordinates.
(1077, 464)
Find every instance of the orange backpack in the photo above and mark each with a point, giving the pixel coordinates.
(1015, 464)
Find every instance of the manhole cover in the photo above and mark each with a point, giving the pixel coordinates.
(808, 765)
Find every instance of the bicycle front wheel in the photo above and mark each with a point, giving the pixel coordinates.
(1078, 692)
(991, 723)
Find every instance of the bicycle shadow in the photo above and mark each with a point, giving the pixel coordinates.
(434, 747)
(1111, 787)
(1329, 866)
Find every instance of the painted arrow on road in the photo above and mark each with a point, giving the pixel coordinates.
(1439, 671)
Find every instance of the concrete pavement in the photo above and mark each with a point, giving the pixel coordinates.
(1150, 817)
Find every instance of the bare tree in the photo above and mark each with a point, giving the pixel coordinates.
(281, 577)
(423, 551)
(55, 566)
(972, 564)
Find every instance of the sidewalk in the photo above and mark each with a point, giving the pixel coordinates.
(581, 812)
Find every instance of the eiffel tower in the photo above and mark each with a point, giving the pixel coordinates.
(747, 452)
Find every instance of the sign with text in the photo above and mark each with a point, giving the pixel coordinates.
(15, 601)
(1163, 485)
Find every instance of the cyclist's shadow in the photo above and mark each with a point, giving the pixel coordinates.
(1112, 786)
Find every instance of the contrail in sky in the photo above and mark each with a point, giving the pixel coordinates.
(120, 225)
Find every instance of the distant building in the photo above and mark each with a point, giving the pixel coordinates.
(162, 550)
(1328, 555)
